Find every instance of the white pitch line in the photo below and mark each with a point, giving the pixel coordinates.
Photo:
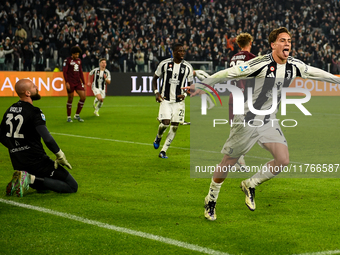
(149, 144)
(106, 105)
(321, 253)
(113, 140)
(161, 239)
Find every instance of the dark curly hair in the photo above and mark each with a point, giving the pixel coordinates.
(76, 49)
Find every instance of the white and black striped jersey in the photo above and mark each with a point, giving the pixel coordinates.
(98, 79)
(173, 77)
(268, 74)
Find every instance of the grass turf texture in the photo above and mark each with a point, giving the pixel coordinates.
(122, 182)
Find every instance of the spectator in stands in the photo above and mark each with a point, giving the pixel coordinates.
(163, 52)
(13, 21)
(40, 60)
(151, 59)
(106, 55)
(52, 38)
(119, 22)
(219, 61)
(20, 44)
(10, 35)
(8, 57)
(60, 41)
(86, 61)
(140, 60)
(61, 12)
(28, 57)
(35, 26)
(20, 33)
(198, 9)
(130, 61)
(50, 63)
(96, 56)
(63, 53)
(26, 19)
(17, 54)
(3, 54)
(122, 58)
(3, 21)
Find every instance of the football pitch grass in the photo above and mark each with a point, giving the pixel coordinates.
(130, 201)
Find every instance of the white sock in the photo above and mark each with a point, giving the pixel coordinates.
(161, 129)
(170, 137)
(214, 190)
(99, 105)
(211, 103)
(260, 177)
(32, 179)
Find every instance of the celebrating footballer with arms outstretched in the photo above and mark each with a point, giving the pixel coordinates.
(272, 71)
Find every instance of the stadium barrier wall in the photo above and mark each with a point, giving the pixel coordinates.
(317, 88)
(127, 84)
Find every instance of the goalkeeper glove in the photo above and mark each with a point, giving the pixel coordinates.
(61, 160)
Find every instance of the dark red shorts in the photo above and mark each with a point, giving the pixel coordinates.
(76, 87)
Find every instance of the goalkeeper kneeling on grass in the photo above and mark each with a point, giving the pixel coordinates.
(22, 127)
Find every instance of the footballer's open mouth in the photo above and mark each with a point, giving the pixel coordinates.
(286, 52)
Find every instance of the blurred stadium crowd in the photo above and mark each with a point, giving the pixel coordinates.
(38, 34)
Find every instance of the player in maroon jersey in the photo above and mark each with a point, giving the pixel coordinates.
(74, 79)
(244, 41)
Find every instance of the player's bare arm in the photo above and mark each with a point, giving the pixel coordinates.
(83, 84)
(106, 80)
(158, 95)
(90, 80)
(186, 92)
(192, 90)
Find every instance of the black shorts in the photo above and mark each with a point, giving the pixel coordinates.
(46, 168)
